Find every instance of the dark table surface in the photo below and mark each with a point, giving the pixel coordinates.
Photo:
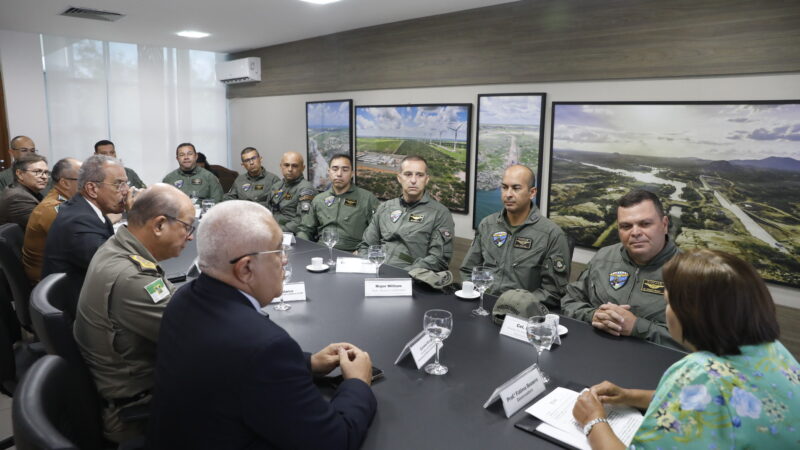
(421, 411)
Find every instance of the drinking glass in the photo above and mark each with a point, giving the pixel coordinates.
(482, 277)
(541, 333)
(207, 204)
(376, 255)
(287, 275)
(437, 324)
(329, 237)
(193, 196)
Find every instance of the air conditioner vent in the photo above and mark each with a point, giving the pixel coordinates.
(94, 14)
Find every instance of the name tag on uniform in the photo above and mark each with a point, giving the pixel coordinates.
(197, 181)
(653, 287)
(416, 218)
(518, 391)
(523, 243)
(259, 187)
(350, 202)
(387, 287)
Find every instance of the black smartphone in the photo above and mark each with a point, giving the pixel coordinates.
(337, 380)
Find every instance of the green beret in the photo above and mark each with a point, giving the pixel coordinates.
(517, 302)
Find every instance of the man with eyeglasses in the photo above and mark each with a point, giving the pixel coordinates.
(192, 179)
(291, 198)
(20, 145)
(343, 207)
(18, 201)
(254, 185)
(106, 147)
(82, 224)
(416, 229)
(65, 178)
(123, 298)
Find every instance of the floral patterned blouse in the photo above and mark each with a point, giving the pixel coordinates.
(705, 401)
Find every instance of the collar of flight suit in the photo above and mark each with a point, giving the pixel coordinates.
(659, 260)
(293, 182)
(190, 173)
(532, 218)
(260, 176)
(425, 199)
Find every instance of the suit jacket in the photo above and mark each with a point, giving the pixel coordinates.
(17, 203)
(227, 377)
(72, 241)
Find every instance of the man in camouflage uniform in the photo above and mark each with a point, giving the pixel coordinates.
(254, 185)
(528, 250)
(622, 290)
(122, 300)
(192, 179)
(106, 147)
(291, 198)
(416, 229)
(346, 208)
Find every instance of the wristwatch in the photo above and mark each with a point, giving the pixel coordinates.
(588, 428)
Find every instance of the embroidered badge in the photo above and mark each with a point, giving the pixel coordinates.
(499, 238)
(143, 263)
(288, 196)
(618, 279)
(523, 243)
(197, 181)
(446, 234)
(259, 187)
(157, 290)
(558, 264)
(350, 202)
(246, 187)
(306, 198)
(305, 206)
(395, 215)
(416, 218)
(329, 200)
(653, 287)
(178, 184)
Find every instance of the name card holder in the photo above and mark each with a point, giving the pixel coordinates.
(421, 347)
(519, 390)
(387, 287)
(515, 327)
(288, 239)
(294, 292)
(346, 264)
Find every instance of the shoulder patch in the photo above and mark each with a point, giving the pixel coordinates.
(499, 238)
(445, 232)
(246, 187)
(178, 184)
(305, 198)
(618, 279)
(329, 200)
(394, 215)
(157, 290)
(558, 264)
(142, 263)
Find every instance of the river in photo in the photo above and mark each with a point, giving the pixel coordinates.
(645, 177)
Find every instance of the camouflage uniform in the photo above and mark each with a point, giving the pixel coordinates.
(204, 183)
(290, 201)
(253, 188)
(349, 213)
(416, 235)
(534, 256)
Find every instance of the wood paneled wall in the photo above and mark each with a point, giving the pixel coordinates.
(541, 40)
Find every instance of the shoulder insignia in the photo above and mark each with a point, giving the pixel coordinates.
(416, 218)
(618, 279)
(499, 238)
(523, 243)
(143, 263)
(178, 184)
(445, 232)
(305, 207)
(350, 202)
(394, 215)
(157, 290)
(329, 200)
(258, 187)
(305, 198)
(197, 181)
(246, 187)
(653, 287)
(558, 264)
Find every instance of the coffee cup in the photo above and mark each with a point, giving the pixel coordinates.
(467, 288)
(316, 263)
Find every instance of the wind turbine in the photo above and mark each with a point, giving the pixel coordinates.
(440, 137)
(455, 135)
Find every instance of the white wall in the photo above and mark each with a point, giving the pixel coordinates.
(277, 124)
(23, 83)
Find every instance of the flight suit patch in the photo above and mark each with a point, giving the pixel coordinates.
(287, 196)
(499, 238)
(246, 187)
(350, 202)
(329, 200)
(446, 234)
(653, 287)
(157, 290)
(523, 243)
(178, 184)
(305, 207)
(258, 187)
(143, 263)
(558, 264)
(618, 279)
(197, 181)
(394, 215)
(416, 218)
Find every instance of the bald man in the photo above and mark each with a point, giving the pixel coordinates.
(528, 250)
(19, 146)
(123, 298)
(291, 198)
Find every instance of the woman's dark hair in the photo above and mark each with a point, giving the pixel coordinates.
(720, 300)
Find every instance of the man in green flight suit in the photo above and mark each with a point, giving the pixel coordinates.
(192, 179)
(416, 229)
(291, 198)
(106, 147)
(622, 290)
(122, 300)
(254, 185)
(528, 250)
(343, 207)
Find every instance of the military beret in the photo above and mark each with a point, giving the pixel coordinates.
(436, 280)
(517, 302)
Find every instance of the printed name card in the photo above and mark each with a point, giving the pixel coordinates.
(387, 287)
(354, 265)
(294, 292)
(515, 327)
(288, 239)
(518, 391)
(421, 347)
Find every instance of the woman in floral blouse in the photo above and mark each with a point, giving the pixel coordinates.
(739, 388)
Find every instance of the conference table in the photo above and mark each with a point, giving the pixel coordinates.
(421, 411)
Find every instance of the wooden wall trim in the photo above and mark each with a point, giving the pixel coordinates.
(540, 41)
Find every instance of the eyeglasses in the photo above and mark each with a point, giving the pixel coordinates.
(284, 256)
(38, 172)
(189, 228)
(120, 186)
(25, 149)
(250, 160)
(68, 178)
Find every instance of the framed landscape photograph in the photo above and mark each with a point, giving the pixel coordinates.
(328, 132)
(509, 132)
(727, 172)
(439, 133)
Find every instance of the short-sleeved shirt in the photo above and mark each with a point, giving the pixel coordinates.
(201, 182)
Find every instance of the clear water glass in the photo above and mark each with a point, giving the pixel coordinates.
(376, 255)
(438, 324)
(541, 334)
(482, 277)
(329, 237)
(287, 275)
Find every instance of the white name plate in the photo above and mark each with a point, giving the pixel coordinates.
(294, 292)
(421, 347)
(288, 239)
(518, 391)
(387, 287)
(515, 327)
(354, 265)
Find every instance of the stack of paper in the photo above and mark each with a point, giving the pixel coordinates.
(555, 412)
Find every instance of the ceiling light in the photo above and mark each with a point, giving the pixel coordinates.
(192, 34)
(319, 2)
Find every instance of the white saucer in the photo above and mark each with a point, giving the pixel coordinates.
(460, 294)
(322, 268)
(562, 330)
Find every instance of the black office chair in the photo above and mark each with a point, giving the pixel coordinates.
(11, 239)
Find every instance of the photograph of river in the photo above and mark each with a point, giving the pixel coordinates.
(509, 132)
(328, 133)
(727, 173)
(438, 133)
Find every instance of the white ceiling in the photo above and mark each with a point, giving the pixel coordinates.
(234, 24)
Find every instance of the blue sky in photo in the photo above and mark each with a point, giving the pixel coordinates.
(421, 122)
(328, 114)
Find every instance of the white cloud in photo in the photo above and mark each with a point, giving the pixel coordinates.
(328, 114)
(510, 110)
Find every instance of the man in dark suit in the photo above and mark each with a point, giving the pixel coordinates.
(227, 377)
(18, 201)
(81, 225)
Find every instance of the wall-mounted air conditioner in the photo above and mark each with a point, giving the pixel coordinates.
(245, 70)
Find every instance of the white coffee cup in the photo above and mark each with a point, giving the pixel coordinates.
(316, 263)
(467, 288)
